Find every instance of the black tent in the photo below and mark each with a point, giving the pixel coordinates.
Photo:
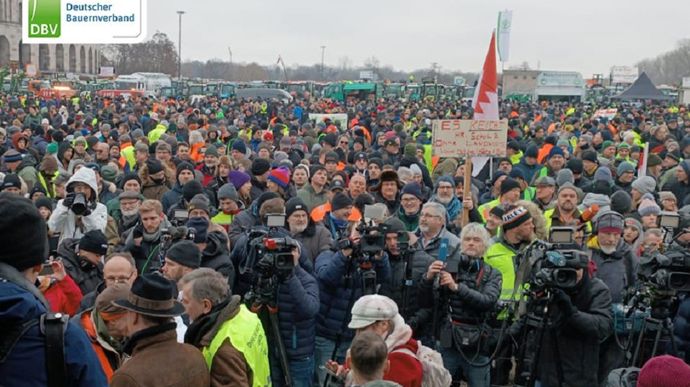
(642, 89)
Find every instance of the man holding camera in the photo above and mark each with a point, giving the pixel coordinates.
(80, 211)
(83, 259)
(144, 240)
(296, 297)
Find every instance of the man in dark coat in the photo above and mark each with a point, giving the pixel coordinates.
(83, 259)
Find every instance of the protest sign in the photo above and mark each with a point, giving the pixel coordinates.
(460, 138)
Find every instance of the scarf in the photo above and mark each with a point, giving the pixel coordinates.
(201, 326)
(453, 208)
(339, 224)
(152, 237)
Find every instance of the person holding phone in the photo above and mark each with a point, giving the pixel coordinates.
(60, 290)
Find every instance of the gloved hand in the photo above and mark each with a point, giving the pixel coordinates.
(69, 199)
(565, 304)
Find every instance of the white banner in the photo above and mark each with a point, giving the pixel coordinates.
(505, 21)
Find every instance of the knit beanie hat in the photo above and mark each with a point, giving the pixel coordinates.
(621, 202)
(644, 184)
(94, 241)
(575, 165)
(410, 150)
(44, 202)
(280, 176)
(624, 167)
(686, 166)
(394, 225)
(260, 166)
(556, 151)
(532, 151)
(654, 160)
(154, 166)
(130, 176)
(508, 185)
(186, 253)
(182, 167)
(667, 195)
(664, 371)
(228, 191)
(108, 173)
(514, 217)
(648, 206)
(413, 189)
(603, 174)
(211, 151)
(191, 189)
(295, 204)
(239, 146)
(609, 222)
(238, 179)
(11, 180)
(200, 202)
(23, 233)
(563, 176)
(340, 201)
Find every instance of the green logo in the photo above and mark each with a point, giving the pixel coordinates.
(44, 18)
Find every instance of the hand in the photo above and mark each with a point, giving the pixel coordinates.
(69, 199)
(447, 280)
(295, 256)
(413, 238)
(564, 302)
(434, 269)
(468, 203)
(58, 267)
(339, 370)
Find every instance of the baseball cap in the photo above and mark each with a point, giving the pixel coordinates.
(336, 184)
(370, 309)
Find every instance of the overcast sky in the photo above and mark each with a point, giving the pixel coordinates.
(584, 35)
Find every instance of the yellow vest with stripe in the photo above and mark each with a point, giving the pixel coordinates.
(500, 257)
(49, 192)
(246, 334)
(485, 208)
(548, 216)
(515, 159)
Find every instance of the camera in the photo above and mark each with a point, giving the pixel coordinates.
(669, 271)
(178, 233)
(555, 263)
(79, 205)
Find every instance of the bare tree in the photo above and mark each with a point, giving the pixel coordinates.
(669, 67)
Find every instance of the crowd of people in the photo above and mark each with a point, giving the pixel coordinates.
(239, 242)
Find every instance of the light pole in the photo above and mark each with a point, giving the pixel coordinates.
(179, 45)
(323, 52)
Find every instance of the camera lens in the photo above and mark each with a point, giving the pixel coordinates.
(79, 204)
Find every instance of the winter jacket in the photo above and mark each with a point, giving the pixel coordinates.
(681, 327)
(154, 191)
(432, 248)
(63, 296)
(414, 270)
(217, 257)
(171, 197)
(680, 190)
(298, 300)
(257, 188)
(108, 193)
(527, 170)
(21, 302)
(314, 239)
(311, 198)
(85, 274)
(243, 222)
(404, 368)
(618, 270)
(338, 291)
(108, 356)
(63, 220)
(411, 222)
(578, 338)
(157, 359)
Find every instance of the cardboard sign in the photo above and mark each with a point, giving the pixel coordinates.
(609, 114)
(460, 138)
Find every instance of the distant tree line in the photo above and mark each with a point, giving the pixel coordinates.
(159, 54)
(670, 67)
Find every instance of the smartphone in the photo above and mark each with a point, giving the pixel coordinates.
(46, 269)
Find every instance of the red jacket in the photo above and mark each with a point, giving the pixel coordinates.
(404, 369)
(63, 296)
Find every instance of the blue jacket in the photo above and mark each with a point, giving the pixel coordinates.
(25, 365)
(338, 294)
(298, 302)
(527, 170)
(171, 197)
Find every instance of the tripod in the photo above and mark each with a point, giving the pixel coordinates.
(660, 325)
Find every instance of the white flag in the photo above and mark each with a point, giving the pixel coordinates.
(505, 21)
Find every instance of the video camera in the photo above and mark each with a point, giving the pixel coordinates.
(178, 233)
(268, 254)
(555, 263)
(669, 271)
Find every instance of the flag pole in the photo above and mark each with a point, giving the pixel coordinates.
(466, 188)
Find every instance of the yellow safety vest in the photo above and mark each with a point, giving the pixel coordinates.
(156, 133)
(49, 192)
(128, 154)
(246, 334)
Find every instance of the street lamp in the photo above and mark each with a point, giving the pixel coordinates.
(179, 46)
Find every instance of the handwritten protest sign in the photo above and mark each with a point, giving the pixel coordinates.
(609, 114)
(459, 138)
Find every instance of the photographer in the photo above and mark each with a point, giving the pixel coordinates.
(469, 290)
(296, 299)
(616, 267)
(80, 211)
(341, 275)
(143, 241)
(408, 265)
(83, 259)
(565, 345)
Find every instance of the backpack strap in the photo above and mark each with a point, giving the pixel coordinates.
(53, 326)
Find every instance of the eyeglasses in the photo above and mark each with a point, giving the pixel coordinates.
(430, 216)
(408, 200)
(445, 187)
(119, 280)
(344, 142)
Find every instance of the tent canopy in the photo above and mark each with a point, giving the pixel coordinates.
(642, 88)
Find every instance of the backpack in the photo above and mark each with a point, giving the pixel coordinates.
(434, 374)
(623, 377)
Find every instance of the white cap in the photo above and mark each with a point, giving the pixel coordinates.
(370, 309)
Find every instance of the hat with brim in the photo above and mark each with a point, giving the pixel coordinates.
(152, 295)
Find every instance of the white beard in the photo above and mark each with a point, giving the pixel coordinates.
(444, 201)
(607, 249)
(129, 213)
(296, 229)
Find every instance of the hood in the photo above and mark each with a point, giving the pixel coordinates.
(86, 176)
(19, 300)
(216, 244)
(67, 250)
(402, 333)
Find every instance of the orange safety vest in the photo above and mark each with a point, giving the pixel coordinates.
(318, 213)
(543, 152)
(90, 330)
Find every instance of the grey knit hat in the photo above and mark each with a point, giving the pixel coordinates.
(644, 184)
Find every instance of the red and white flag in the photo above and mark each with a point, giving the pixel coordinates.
(485, 102)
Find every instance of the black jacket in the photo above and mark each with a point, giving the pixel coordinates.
(217, 257)
(86, 275)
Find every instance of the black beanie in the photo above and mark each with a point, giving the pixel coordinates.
(295, 204)
(263, 198)
(23, 233)
(621, 202)
(183, 166)
(130, 176)
(575, 165)
(191, 188)
(340, 201)
(260, 166)
(509, 184)
(186, 253)
(514, 217)
(154, 166)
(95, 242)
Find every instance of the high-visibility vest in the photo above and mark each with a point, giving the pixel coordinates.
(156, 133)
(246, 334)
(127, 157)
(500, 257)
(486, 208)
(50, 191)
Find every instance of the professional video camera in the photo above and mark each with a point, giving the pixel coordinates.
(175, 234)
(555, 263)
